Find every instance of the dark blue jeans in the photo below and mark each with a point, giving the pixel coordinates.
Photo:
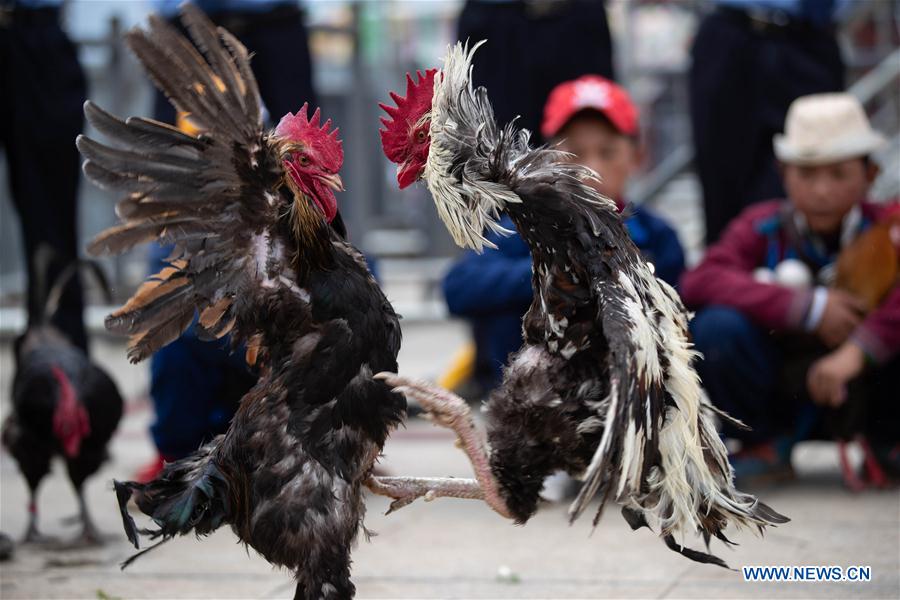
(760, 378)
(42, 90)
(533, 47)
(195, 386)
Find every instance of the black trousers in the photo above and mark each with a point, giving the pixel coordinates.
(42, 89)
(531, 48)
(742, 81)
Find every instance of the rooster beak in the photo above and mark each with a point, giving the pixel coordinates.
(407, 174)
(333, 181)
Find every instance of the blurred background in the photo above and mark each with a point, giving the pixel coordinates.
(362, 49)
(359, 51)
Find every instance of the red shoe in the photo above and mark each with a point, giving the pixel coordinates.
(151, 471)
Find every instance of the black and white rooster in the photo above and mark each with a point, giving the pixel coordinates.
(603, 387)
(251, 213)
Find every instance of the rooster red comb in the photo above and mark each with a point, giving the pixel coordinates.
(395, 136)
(325, 143)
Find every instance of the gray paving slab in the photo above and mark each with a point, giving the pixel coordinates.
(451, 548)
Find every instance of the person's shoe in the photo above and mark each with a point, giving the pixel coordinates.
(151, 471)
(6, 547)
(888, 456)
(763, 464)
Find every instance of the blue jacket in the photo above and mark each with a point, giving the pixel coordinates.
(493, 290)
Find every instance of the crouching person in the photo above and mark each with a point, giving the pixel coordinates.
(786, 349)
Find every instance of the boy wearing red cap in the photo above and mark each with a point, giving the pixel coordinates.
(595, 120)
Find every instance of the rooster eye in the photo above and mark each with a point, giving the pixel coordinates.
(420, 135)
(304, 160)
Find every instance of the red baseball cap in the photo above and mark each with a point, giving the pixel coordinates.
(589, 92)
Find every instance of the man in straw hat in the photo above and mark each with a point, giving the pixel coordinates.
(783, 345)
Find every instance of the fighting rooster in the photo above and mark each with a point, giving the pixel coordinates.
(249, 212)
(603, 387)
(62, 405)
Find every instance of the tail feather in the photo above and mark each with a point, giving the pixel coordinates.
(660, 455)
(124, 490)
(636, 520)
(191, 495)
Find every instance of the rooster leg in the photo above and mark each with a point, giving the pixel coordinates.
(875, 475)
(851, 479)
(450, 411)
(32, 535)
(90, 536)
(405, 490)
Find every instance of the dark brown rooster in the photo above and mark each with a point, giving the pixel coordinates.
(249, 212)
(62, 405)
(603, 387)
(868, 267)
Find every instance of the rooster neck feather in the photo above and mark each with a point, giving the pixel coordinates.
(474, 168)
(310, 234)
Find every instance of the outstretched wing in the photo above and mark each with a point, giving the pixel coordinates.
(215, 196)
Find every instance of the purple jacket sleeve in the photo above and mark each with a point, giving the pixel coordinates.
(725, 276)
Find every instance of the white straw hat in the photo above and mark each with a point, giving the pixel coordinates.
(825, 128)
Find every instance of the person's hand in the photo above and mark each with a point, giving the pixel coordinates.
(843, 313)
(828, 377)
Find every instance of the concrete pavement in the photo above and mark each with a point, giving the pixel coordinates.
(450, 548)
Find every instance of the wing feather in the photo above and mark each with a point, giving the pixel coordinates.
(206, 37)
(631, 423)
(210, 195)
(142, 133)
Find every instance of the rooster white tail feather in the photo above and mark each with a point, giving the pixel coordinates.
(670, 470)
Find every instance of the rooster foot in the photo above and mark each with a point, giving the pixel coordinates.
(406, 490)
(442, 406)
(88, 538)
(450, 411)
(33, 537)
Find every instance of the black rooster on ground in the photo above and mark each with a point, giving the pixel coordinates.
(249, 212)
(62, 405)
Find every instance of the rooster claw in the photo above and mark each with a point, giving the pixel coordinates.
(444, 407)
(386, 376)
(35, 538)
(400, 503)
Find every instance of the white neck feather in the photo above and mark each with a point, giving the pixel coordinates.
(470, 206)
